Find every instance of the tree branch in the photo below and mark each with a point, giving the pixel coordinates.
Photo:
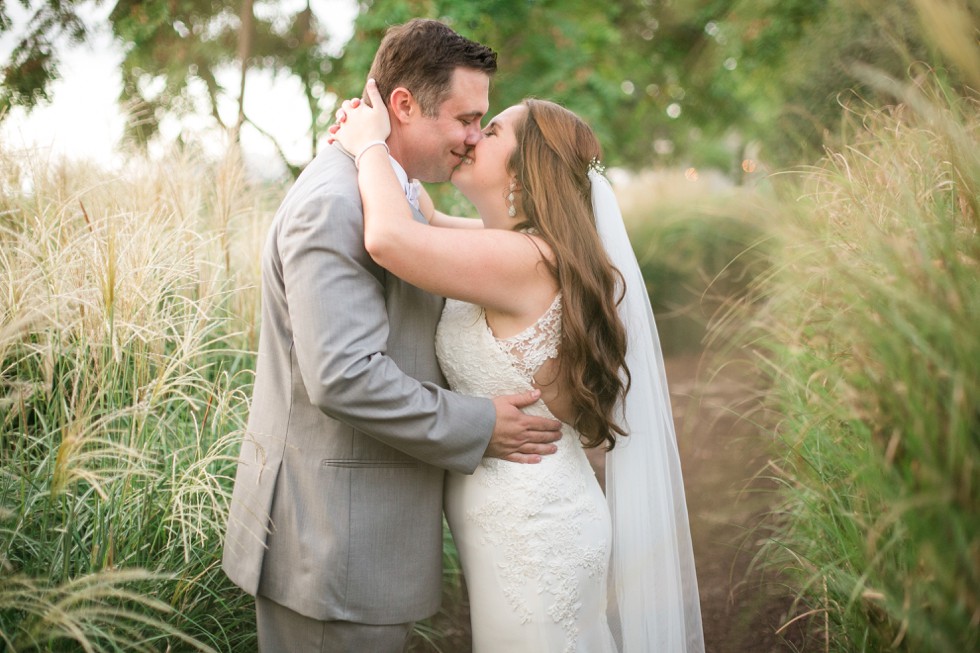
(244, 52)
(294, 170)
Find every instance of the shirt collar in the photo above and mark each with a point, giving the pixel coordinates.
(410, 186)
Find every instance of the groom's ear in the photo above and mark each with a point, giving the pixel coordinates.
(402, 104)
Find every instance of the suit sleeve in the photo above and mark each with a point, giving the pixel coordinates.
(335, 294)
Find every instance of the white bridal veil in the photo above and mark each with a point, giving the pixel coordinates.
(653, 595)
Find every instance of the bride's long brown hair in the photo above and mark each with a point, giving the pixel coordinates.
(554, 150)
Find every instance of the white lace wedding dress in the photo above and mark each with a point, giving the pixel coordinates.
(534, 540)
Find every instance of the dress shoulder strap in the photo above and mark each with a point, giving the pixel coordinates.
(538, 343)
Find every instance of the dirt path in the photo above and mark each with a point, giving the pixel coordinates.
(722, 455)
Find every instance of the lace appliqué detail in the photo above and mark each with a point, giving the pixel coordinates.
(536, 548)
(535, 345)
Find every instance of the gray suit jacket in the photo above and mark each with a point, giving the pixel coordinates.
(337, 505)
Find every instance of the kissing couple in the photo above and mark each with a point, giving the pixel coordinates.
(535, 316)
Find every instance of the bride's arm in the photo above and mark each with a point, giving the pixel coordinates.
(439, 219)
(495, 268)
(453, 222)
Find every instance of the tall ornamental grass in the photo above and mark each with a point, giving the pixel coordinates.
(871, 333)
(127, 314)
(698, 258)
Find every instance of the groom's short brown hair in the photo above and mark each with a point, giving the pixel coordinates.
(421, 56)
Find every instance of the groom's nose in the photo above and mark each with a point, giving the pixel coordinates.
(473, 135)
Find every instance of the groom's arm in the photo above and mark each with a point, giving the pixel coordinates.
(335, 294)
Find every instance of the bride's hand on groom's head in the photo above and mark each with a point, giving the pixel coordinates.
(340, 116)
(361, 122)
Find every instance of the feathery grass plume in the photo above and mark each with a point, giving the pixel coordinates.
(243, 218)
(869, 332)
(97, 612)
(952, 28)
(123, 392)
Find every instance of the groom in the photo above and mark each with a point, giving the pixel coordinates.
(335, 524)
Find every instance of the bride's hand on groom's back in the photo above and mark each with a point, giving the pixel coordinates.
(519, 437)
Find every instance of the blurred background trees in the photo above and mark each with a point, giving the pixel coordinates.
(664, 82)
(33, 63)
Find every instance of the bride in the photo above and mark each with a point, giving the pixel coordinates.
(547, 295)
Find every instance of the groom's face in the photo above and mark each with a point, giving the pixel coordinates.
(437, 144)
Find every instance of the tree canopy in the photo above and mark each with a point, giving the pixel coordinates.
(662, 81)
(33, 65)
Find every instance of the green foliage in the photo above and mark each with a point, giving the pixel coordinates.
(176, 49)
(582, 54)
(172, 45)
(658, 80)
(794, 65)
(869, 333)
(662, 83)
(33, 66)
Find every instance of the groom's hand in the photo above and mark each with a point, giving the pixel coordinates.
(518, 437)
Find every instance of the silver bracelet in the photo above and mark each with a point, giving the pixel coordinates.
(357, 159)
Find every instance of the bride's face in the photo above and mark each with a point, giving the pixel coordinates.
(483, 175)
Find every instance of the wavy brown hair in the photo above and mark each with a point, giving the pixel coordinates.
(551, 163)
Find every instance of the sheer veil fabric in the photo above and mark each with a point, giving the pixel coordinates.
(653, 592)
